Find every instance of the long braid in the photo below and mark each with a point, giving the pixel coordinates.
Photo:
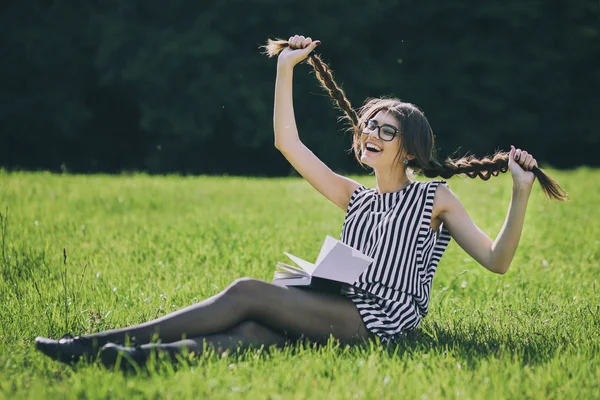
(487, 167)
(324, 75)
(470, 166)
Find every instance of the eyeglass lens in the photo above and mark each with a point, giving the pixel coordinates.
(386, 133)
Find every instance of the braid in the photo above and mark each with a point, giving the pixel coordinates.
(324, 75)
(487, 167)
(470, 166)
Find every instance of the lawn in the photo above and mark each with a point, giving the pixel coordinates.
(138, 247)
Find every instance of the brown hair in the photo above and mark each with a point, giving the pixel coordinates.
(417, 135)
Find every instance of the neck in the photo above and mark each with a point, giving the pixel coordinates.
(389, 183)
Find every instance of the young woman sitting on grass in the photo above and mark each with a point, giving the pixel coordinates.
(404, 225)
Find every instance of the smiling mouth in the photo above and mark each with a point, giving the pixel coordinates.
(367, 151)
(374, 151)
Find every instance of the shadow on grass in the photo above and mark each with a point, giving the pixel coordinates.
(473, 345)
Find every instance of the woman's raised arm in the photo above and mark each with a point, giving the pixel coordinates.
(497, 255)
(336, 188)
(284, 121)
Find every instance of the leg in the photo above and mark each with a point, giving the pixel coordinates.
(243, 336)
(216, 314)
(297, 312)
(304, 313)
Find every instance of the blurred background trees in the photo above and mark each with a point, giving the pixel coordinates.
(107, 86)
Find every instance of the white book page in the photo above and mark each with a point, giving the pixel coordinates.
(291, 269)
(327, 246)
(343, 264)
(305, 265)
(285, 275)
(356, 253)
(297, 281)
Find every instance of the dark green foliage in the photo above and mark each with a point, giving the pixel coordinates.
(142, 85)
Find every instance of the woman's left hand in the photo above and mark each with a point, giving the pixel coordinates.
(520, 164)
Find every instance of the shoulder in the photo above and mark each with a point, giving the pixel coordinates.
(358, 189)
(443, 198)
(436, 188)
(357, 195)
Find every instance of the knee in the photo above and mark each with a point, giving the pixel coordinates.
(245, 288)
(249, 329)
(258, 333)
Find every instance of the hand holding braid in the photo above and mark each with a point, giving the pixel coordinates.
(409, 116)
(324, 75)
(520, 163)
(298, 49)
(487, 167)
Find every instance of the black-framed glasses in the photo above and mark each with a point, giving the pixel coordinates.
(385, 132)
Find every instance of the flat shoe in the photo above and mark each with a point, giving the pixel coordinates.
(68, 349)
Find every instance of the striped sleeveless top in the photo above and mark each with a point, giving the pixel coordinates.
(394, 229)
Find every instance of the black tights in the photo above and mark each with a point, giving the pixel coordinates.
(249, 312)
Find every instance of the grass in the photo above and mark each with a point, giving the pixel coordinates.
(87, 253)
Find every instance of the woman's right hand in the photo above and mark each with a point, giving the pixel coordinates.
(299, 48)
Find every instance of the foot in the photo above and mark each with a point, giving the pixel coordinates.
(109, 356)
(68, 349)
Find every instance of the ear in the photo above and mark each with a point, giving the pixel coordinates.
(410, 157)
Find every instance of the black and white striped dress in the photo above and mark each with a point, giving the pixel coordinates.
(392, 294)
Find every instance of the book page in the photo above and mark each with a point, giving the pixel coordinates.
(291, 269)
(305, 265)
(356, 253)
(327, 246)
(343, 264)
(295, 281)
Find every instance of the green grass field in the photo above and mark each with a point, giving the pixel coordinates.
(139, 247)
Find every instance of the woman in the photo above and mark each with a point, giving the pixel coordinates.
(403, 225)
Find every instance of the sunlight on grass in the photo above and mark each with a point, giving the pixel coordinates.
(137, 247)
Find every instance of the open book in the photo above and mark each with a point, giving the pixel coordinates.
(337, 265)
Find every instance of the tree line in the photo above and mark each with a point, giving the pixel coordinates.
(183, 87)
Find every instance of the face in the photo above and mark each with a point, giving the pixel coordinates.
(385, 158)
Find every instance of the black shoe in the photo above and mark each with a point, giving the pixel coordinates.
(109, 356)
(68, 349)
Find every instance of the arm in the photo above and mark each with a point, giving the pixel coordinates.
(284, 120)
(338, 189)
(496, 256)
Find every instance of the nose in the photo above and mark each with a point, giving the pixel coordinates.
(368, 131)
